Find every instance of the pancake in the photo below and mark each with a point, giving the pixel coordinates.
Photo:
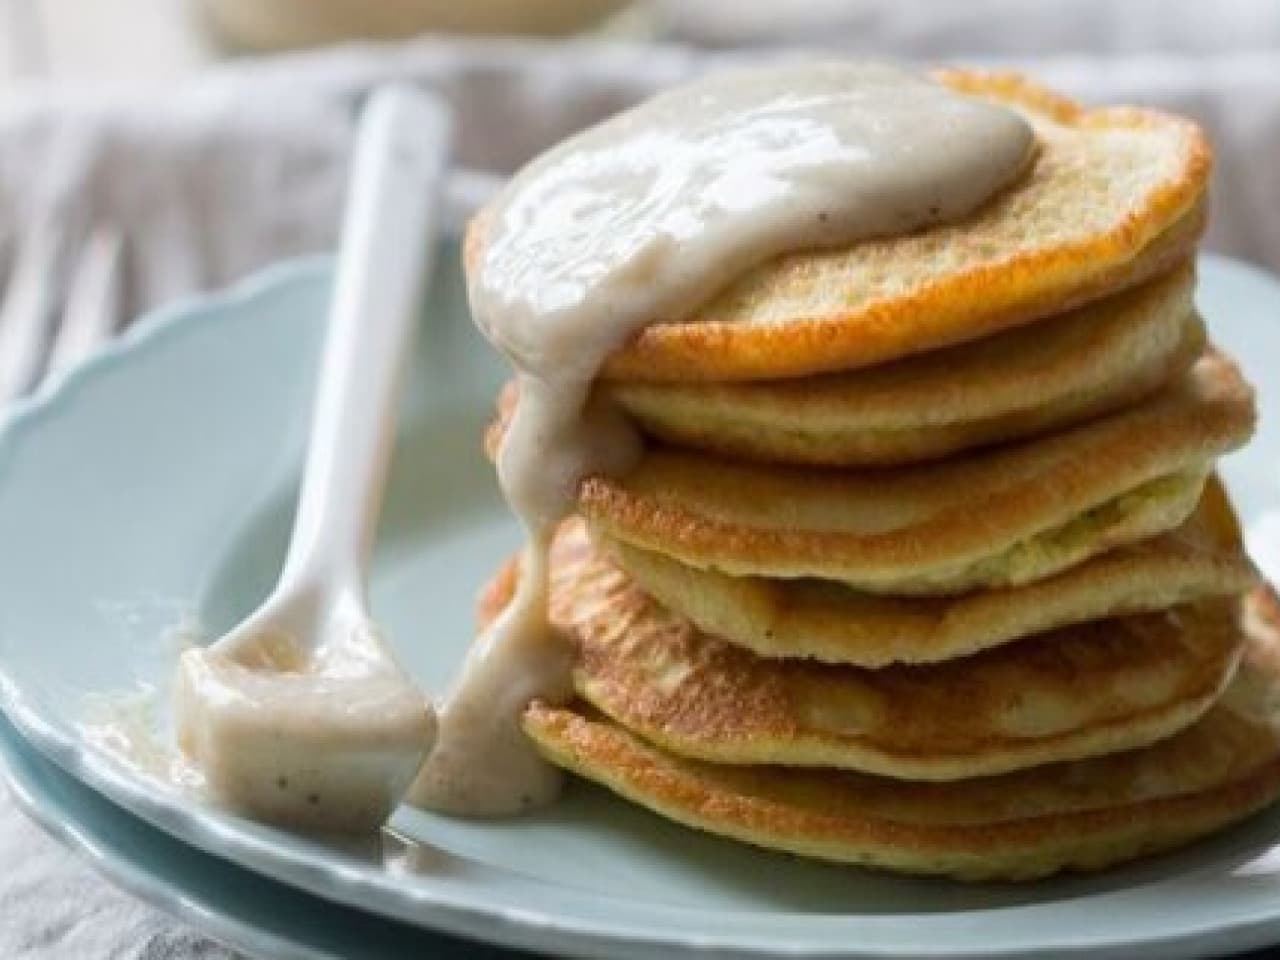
(1115, 197)
(1060, 371)
(836, 624)
(1082, 815)
(1074, 692)
(1003, 517)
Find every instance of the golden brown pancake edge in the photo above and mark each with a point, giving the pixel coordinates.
(996, 518)
(1082, 815)
(1026, 381)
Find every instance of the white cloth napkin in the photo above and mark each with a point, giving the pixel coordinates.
(52, 907)
(247, 165)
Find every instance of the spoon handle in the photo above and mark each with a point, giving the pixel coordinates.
(388, 240)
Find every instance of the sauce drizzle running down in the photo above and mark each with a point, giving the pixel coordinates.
(638, 221)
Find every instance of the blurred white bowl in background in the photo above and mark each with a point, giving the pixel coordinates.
(282, 24)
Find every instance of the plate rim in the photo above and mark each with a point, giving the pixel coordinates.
(87, 826)
(222, 835)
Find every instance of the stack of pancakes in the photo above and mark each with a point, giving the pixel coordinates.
(926, 566)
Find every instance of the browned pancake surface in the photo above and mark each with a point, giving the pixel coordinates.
(1078, 691)
(1083, 815)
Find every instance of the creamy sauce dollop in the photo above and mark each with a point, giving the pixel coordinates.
(346, 730)
(637, 221)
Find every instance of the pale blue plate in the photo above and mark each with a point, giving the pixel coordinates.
(158, 481)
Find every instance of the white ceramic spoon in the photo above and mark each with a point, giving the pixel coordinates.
(301, 714)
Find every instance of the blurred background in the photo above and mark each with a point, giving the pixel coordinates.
(150, 148)
(140, 41)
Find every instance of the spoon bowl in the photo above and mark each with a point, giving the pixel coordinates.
(318, 738)
(302, 715)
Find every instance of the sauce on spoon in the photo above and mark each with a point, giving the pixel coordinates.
(638, 221)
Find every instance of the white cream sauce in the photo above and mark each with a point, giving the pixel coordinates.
(323, 739)
(638, 221)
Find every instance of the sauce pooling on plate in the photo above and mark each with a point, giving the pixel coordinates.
(640, 220)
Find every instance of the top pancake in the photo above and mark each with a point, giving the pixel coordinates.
(1006, 516)
(1062, 370)
(1113, 198)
